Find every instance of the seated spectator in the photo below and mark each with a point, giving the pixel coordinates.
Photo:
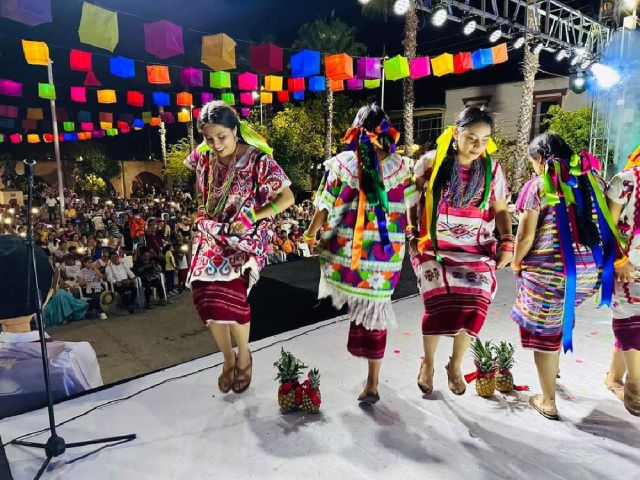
(148, 269)
(123, 281)
(89, 280)
(289, 248)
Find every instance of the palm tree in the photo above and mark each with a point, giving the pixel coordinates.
(525, 115)
(330, 37)
(381, 8)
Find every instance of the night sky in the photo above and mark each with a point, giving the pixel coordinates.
(245, 21)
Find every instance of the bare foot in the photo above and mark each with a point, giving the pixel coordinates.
(425, 379)
(456, 382)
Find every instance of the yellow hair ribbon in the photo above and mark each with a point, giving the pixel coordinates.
(633, 159)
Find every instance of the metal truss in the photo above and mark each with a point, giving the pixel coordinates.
(558, 26)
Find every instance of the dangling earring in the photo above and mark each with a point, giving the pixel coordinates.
(455, 145)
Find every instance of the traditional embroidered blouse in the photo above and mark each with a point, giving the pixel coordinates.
(218, 255)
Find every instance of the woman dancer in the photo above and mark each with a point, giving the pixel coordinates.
(624, 202)
(455, 257)
(361, 204)
(241, 185)
(559, 253)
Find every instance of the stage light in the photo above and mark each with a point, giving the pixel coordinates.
(255, 95)
(12, 211)
(401, 7)
(35, 211)
(519, 43)
(469, 26)
(537, 48)
(629, 4)
(561, 55)
(495, 35)
(439, 16)
(364, 2)
(606, 76)
(585, 64)
(578, 82)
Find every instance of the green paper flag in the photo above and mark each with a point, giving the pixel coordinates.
(68, 126)
(47, 91)
(220, 80)
(228, 98)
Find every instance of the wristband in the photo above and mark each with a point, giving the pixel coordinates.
(516, 267)
(507, 247)
(620, 262)
(248, 218)
(275, 208)
(308, 238)
(410, 229)
(507, 237)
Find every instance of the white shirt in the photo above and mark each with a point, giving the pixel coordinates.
(117, 273)
(51, 202)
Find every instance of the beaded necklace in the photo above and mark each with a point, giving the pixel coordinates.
(219, 194)
(462, 193)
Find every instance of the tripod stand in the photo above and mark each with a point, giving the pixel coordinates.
(55, 445)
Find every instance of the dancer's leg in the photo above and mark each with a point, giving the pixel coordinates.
(632, 383)
(547, 365)
(241, 336)
(461, 343)
(222, 335)
(615, 376)
(425, 377)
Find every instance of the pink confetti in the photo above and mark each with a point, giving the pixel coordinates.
(579, 361)
(595, 332)
(407, 334)
(422, 358)
(570, 397)
(396, 351)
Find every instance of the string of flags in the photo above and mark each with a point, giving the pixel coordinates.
(310, 71)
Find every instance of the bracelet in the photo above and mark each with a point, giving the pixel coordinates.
(308, 238)
(508, 237)
(248, 218)
(410, 229)
(620, 262)
(507, 247)
(516, 267)
(275, 208)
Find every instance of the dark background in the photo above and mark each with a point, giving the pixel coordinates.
(246, 21)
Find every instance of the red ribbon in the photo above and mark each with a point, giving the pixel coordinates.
(478, 374)
(311, 392)
(285, 388)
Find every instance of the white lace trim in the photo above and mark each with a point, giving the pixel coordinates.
(344, 166)
(372, 315)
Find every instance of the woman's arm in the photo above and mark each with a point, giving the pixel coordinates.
(503, 223)
(284, 200)
(318, 220)
(526, 235)
(625, 271)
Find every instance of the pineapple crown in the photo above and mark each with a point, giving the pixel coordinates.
(504, 355)
(314, 378)
(289, 368)
(482, 357)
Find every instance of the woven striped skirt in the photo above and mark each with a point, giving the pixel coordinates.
(222, 302)
(369, 344)
(454, 312)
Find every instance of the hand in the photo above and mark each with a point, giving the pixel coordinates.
(503, 259)
(626, 273)
(237, 228)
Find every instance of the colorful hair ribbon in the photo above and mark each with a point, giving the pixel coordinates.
(430, 213)
(372, 189)
(560, 186)
(250, 137)
(633, 160)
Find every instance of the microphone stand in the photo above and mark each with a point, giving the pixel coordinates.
(55, 445)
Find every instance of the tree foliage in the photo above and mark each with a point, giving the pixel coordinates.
(92, 185)
(574, 127)
(176, 153)
(90, 158)
(506, 156)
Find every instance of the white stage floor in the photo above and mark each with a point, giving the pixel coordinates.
(188, 430)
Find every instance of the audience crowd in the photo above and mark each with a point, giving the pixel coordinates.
(136, 248)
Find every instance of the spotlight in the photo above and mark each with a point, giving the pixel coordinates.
(629, 4)
(585, 64)
(495, 35)
(469, 26)
(401, 7)
(562, 54)
(578, 82)
(439, 16)
(606, 76)
(519, 43)
(575, 60)
(537, 48)
(364, 2)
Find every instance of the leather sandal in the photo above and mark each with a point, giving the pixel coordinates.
(550, 413)
(457, 384)
(618, 390)
(369, 397)
(225, 380)
(632, 402)
(427, 387)
(243, 375)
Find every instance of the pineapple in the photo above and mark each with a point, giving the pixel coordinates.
(311, 397)
(504, 355)
(288, 374)
(485, 383)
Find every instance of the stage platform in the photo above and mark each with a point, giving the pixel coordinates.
(188, 430)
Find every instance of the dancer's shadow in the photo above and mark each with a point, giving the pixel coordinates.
(604, 425)
(397, 436)
(513, 401)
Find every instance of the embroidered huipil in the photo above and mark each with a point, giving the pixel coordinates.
(217, 255)
(368, 289)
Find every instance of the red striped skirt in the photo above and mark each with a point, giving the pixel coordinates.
(452, 313)
(627, 333)
(369, 344)
(222, 302)
(540, 343)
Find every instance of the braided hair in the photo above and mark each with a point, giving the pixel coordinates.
(468, 117)
(551, 146)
